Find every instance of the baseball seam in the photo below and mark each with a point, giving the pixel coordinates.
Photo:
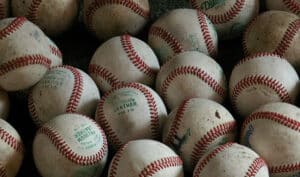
(254, 168)
(55, 51)
(104, 74)
(2, 10)
(247, 31)
(134, 57)
(12, 27)
(192, 70)
(160, 164)
(285, 168)
(68, 153)
(33, 10)
(202, 145)
(256, 56)
(32, 110)
(24, 61)
(210, 156)
(11, 141)
(3, 172)
(206, 34)
(264, 80)
(292, 5)
(115, 161)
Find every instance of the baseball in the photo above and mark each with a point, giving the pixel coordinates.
(273, 131)
(63, 89)
(230, 17)
(131, 111)
(11, 150)
(277, 32)
(260, 79)
(53, 16)
(4, 105)
(145, 158)
(172, 33)
(232, 160)
(188, 75)
(123, 58)
(195, 126)
(70, 145)
(292, 6)
(109, 18)
(4, 9)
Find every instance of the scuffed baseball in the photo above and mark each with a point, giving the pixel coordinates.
(4, 105)
(188, 75)
(53, 16)
(11, 150)
(273, 131)
(277, 32)
(4, 8)
(292, 6)
(123, 58)
(230, 17)
(63, 89)
(231, 159)
(146, 158)
(196, 126)
(70, 145)
(131, 111)
(182, 30)
(109, 18)
(260, 79)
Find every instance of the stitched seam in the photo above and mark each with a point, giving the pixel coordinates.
(201, 165)
(3, 172)
(66, 150)
(32, 110)
(2, 11)
(167, 37)
(11, 141)
(24, 61)
(256, 56)
(12, 27)
(285, 168)
(55, 51)
(264, 80)
(33, 10)
(288, 37)
(247, 31)
(133, 56)
(292, 6)
(104, 74)
(206, 34)
(254, 168)
(202, 145)
(192, 70)
(115, 161)
(160, 164)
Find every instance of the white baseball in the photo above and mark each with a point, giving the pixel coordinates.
(63, 89)
(53, 16)
(277, 32)
(292, 6)
(4, 105)
(123, 58)
(145, 158)
(196, 126)
(231, 159)
(11, 150)
(4, 8)
(109, 18)
(70, 145)
(230, 17)
(172, 33)
(188, 75)
(26, 54)
(273, 131)
(262, 78)
(131, 111)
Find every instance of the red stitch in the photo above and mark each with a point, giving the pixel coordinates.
(288, 37)
(192, 70)
(11, 141)
(288, 168)
(167, 37)
(176, 122)
(102, 120)
(33, 10)
(133, 56)
(256, 56)
(77, 89)
(202, 145)
(3, 172)
(212, 50)
(254, 168)
(160, 164)
(115, 161)
(32, 110)
(55, 51)
(247, 31)
(91, 10)
(66, 151)
(104, 73)
(24, 61)
(12, 27)
(292, 5)
(259, 80)
(2, 11)
(210, 156)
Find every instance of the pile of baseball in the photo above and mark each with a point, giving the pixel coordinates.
(166, 108)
